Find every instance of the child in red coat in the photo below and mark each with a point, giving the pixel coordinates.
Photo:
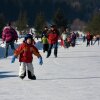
(25, 50)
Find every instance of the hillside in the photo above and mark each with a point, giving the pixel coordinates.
(72, 9)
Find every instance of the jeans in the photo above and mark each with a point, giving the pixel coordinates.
(55, 49)
(7, 47)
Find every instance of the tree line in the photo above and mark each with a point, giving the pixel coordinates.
(62, 12)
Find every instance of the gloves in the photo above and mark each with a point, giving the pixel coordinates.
(40, 60)
(13, 59)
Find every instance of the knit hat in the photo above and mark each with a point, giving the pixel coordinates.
(28, 36)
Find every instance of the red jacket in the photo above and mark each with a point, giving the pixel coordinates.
(88, 36)
(25, 51)
(9, 34)
(53, 37)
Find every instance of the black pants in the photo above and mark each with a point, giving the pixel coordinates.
(97, 40)
(50, 49)
(88, 42)
(45, 47)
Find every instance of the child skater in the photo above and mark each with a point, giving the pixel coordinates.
(25, 51)
(45, 43)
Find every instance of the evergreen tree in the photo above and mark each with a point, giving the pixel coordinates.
(2, 23)
(59, 19)
(39, 23)
(94, 24)
(22, 22)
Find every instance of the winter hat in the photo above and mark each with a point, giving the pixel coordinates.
(28, 36)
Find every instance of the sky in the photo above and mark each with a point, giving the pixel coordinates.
(73, 75)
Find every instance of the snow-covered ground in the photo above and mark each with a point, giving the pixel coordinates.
(74, 75)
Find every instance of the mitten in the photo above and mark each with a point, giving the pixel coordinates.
(13, 59)
(40, 60)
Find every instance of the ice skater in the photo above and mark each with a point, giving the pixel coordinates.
(25, 51)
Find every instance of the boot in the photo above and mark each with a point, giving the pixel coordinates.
(30, 76)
